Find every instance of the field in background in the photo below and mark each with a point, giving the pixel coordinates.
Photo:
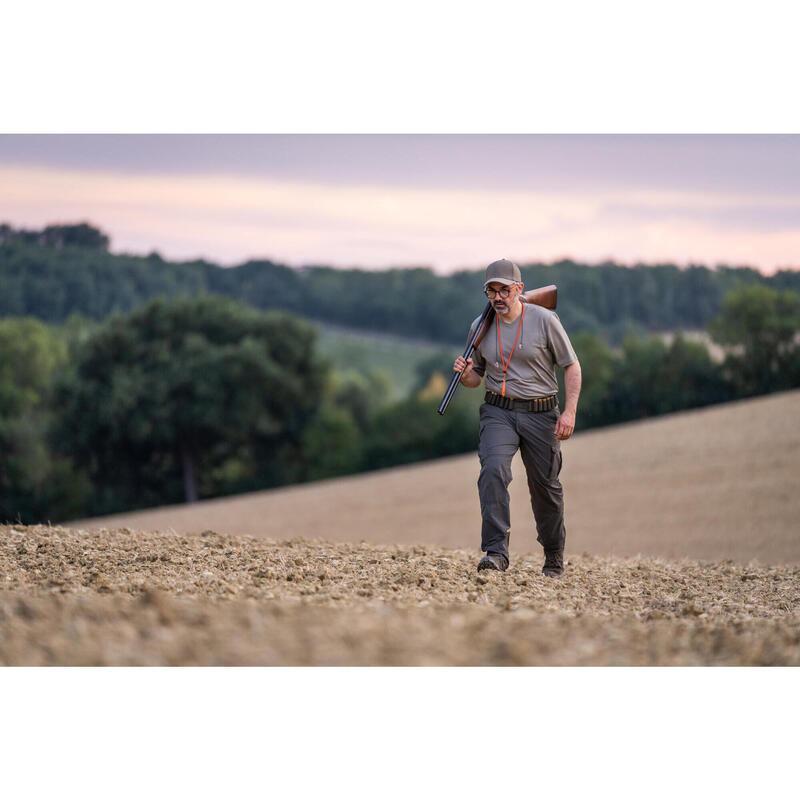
(364, 352)
(715, 483)
(716, 352)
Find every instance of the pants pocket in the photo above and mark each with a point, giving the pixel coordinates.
(555, 462)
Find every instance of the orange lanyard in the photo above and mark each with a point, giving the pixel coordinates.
(500, 345)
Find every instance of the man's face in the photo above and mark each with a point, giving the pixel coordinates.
(502, 296)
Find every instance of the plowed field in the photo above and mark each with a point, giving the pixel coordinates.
(124, 597)
(683, 547)
(715, 483)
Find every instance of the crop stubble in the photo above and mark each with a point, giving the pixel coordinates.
(126, 597)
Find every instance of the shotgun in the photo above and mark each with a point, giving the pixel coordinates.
(546, 296)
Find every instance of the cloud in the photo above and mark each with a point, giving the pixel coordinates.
(230, 218)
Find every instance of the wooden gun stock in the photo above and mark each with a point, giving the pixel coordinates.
(546, 296)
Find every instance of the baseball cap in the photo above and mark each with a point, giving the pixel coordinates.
(502, 271)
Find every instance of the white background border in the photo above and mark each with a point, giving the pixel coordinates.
(417, 67)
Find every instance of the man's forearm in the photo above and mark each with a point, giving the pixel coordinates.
(471, 380)
(572, 386)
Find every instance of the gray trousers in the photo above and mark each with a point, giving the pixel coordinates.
(502, 433)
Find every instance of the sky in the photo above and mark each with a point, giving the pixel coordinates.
(442, 201)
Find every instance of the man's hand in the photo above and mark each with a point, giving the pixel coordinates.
(565, 425)
(469, 378)
(463, 366)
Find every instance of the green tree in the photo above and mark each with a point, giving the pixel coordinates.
(440, 362)
(759, 327)
(597, 361)
(34, 486)
(688, 378)
(361, 393)
(412, 431)
(633, 386)
(181, 392)
(332, 444)
(79, 235)
(650, 377)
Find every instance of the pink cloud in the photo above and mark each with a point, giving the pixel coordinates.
(229, 219)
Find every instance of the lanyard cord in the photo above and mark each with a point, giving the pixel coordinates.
(500, 345)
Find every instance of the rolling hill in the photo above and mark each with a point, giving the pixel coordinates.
(715, 483)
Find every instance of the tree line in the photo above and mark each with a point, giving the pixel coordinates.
(189, 398)
(65, 269)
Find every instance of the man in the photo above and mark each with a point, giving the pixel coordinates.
(518, 356)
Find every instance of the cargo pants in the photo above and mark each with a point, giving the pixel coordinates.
(502, 433)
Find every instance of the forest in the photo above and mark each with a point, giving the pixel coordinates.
(64, 270)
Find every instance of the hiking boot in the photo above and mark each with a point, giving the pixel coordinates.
(493, 561)
(553, 563)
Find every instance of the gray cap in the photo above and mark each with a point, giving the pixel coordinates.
(502, 271)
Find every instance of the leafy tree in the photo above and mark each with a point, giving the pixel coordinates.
(80, 235)
(167, 396)
(412, 431)
(633, 386)
(688, 378)
(52, 282)
(30, 354)
(439, 363)
(361, 394)
(33, 485)
(649, 377)
(332, 444)
(596, 360)
(759, 327)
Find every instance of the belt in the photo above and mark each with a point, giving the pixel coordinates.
(514, 404)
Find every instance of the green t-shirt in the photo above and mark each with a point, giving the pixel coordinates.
(542, 344)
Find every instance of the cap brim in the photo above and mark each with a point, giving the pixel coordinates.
(505, 281)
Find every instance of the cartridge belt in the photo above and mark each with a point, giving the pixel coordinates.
(515, 404)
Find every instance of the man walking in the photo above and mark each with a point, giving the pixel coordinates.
(518, 357)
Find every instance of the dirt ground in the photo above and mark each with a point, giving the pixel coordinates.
(124, 597)
(715, 483)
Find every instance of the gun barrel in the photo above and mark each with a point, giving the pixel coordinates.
(480, 330)
(448, 395)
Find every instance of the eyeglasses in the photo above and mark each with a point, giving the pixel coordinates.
(504, 292)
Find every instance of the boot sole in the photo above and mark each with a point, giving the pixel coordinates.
(483, 565)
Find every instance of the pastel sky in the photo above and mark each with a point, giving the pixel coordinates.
(444, 201)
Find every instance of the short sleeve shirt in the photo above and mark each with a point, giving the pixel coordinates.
(542, 344)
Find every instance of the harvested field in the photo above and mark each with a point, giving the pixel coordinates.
(123, 597)
(714, 483)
